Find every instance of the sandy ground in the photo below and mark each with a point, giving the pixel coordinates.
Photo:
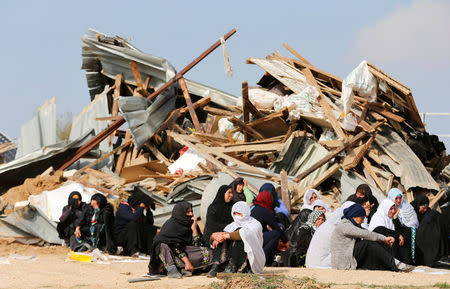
(51, 270)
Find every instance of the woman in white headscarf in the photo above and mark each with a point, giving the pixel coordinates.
(407, 215)
(308, 199)
(383, 216)
(242, 241)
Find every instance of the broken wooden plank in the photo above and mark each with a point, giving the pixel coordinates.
(285, 190)
(159, 155)
(113, 118)
(355, 156)
(127, 143)
(189, 104)
(245, 127)
(318, 181)
(372, 173)
(390, 181)
(386, 113)
(218, 111)
(122, 157)
(334, 153)
(245, 108)
(253, 148)
(296, 54)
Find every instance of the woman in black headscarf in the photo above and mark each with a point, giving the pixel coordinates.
(94, 228)
(431, 236)
(70, 213)
(179, 244)
(133, 225)
(240, 191)
(219, 212)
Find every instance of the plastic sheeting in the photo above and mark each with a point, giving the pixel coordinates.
(403, 162)
(38, 132)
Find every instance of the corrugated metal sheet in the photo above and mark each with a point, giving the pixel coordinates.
(85, 122)
(40, 131)
(15, 172)
(10, 154)
(446, 172)
(108, 59)
(286, 74)
(403, 162)
(298, 154)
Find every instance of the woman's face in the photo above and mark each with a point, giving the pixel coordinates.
(76, 197)
(228, 196)
(94, 204)
(319, 221)
(398, 201)
(359, 220)
(313, 198)
(391, 211)
(240, 188)
(189, 212)
(237, 214)
(320, 208)
(360, 194)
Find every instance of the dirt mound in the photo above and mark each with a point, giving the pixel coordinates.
(31, 186)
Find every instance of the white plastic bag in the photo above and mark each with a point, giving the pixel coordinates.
(360, 80)
(262, 99)
(350, 122)
(224, 124)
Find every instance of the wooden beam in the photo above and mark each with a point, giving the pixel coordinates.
(318, 181)
(434, 202)
(372, 173)
(245, 127)
(157, 154)
(127, 143)
(189, 104)
(115, 106)
(355, 156)
(296, 54)
(113, 118)
(218, 111)
(122, 157)
(390, 181)
(136, 74)
(245, 108)
(386, 113)
(285, 190)
(334, 153)
(253, 148)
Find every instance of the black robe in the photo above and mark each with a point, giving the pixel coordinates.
(431, 236)
(218, 215)
(70, 212)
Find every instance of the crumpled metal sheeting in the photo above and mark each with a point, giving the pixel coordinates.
(85, 122)
(111, 60)
(145, 117)
(38, 132)
(29, 221)
(298, 154)
(446, 172)
(35, 163)
(190, 190)
(349, 183)
(403, 162)
(217, 96)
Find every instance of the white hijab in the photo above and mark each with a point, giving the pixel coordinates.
(306, 203)
(251, 233)
(321, 203)
(407, 215)
(381, 218)
(319, 254)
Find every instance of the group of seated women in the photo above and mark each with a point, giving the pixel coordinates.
(89, 226)
(244, 233)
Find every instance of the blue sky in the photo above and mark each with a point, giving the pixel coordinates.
(41, 47)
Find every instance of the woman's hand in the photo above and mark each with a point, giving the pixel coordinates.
(401, 240)
(77, 232)
(187, 264)
(389, 240)
(396, 213)
(194, 226)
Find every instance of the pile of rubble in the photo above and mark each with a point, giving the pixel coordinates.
(300, 128)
